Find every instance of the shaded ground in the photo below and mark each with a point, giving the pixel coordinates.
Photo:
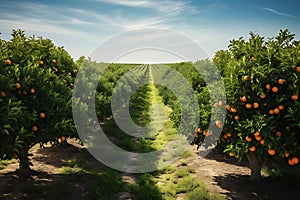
(220, 173)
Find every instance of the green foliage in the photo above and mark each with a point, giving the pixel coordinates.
(260, 78)
(35, 77)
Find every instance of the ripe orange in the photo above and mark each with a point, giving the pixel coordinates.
(295, 160)
(294, 97)
(42, 115)
(221, 103)
(219, 124)
(276, 111)
(243, 99)
(18, 85)
(225, 136)
(258, 138)
(255, 105)
(32, 90)
(297, 69)
(237, 117)
(271, 112)
(229, 134)
(281, 107)
(278, 133)
(271, 152)
(75, 70)
(262, 142)
(62, 138)
(268, 86)
(199, 130)
(35, 128)
(233, 110)
(248, 106)
(246, 78)
(275, 89)
(290, 162)
(216, 105)
(248, 139)
(3, 94)
(231, 154)
(252, 58)
(256, 134)
(286, 154)
(262, 95)
(53, 61)
(228, 107)
(281, 81)
(288, 128)
(8, 62)
(253, 148)
(41, 62)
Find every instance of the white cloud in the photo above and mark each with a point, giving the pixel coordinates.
(280, 13)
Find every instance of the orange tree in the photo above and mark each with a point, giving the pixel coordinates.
(262, 86)
(36, 80)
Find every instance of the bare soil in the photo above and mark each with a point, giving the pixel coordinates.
(220, 173)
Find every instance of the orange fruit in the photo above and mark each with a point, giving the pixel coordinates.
(262, 141)
(34, 128)
(32, 90)
(290, 162)
(221, 103)
(53, 61)
(225, 136)
(252, 58)
(281, 81)
(233, 110)
(262, 95)
(256, 134)
(286, 154)
(228, 107)
(297, 69)
(216, 105)
(237, 117)
(275, 89)
(243, 99)
(246, 78)
(219, 124)
(253, 148)
(2, 94)
(18, 85)
(268, 86)
(294, 97)
(288, 128)
(42, 115)
(255, 105)
(276, 111)
(271, 152)
(278, 133)
(258, 138)
(8, 62)
(271, 112)
(228, 134)
(295, 160)
(62, 138)
(281, 107)
(41, 62)
(231, 154)
(75, 70)
(248, 139)
(248, 106)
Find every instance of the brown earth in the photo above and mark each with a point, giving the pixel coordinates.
(220, 173)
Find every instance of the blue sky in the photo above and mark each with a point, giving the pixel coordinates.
(81, 25)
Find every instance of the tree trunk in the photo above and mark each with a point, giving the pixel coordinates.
(255, 166)
(24, 161)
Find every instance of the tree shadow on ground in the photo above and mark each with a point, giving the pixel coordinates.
(240, 187)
